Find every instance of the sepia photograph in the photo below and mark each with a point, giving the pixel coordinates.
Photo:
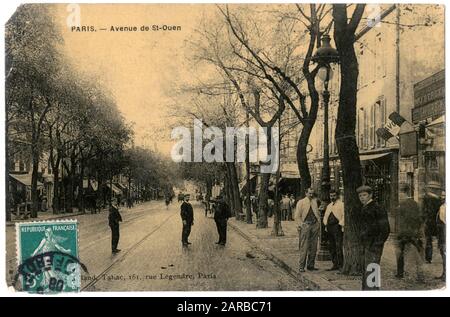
(224, 147)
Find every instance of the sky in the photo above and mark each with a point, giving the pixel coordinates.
(137, 67)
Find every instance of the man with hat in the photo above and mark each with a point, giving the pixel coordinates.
(114, 218)
(430, 207)
(374, 232)
(187, 216)
(221, 216)
(307, 219)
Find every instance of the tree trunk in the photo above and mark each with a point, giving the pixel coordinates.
(346, 141)
(277, 229)
(81, 188)
(263, 195)
(234, 184)
(248, 203)
(34, 180)
(229, 192)
(56, 191)
(302, 159)
(262, 212)
(71, 185)
(7, 170)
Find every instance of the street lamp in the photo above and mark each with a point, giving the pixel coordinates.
(324, 57)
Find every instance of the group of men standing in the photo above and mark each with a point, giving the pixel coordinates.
(308, 220)
(221, 214)
(374, 229)
(414, 224)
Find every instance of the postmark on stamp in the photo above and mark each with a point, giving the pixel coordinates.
(47, 255)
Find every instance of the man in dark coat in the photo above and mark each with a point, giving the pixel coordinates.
(187, 216)
(430, 207)
(221, 216)
(114, 218)
(374, 233)
(410, 222)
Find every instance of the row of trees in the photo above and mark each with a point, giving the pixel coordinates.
(260, 58)
(57, 115)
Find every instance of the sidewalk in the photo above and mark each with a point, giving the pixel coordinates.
(284, 251)
(43, 216)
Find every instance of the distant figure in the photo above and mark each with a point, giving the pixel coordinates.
(221, 216)
(374, 232)
(410, 220)
(430, 207)
(308, 226)
(187, 216)
(285, 204)
(167, 201)
(254, 201)
(270, 207)
(292, 204)
(333, 221)
(206, 203)
(114, 219)
(440, 220)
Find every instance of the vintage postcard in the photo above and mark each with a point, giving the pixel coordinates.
(225, 147)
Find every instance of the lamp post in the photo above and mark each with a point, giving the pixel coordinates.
(324, 57)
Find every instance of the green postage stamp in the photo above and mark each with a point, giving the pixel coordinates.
(47, 255)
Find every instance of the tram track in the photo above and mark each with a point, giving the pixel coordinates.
(103, 232)
(123, 255)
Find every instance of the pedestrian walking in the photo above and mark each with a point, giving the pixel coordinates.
(114, 219)
(221, 216)
(374, 233)
(333, 221)
(285, 205)
(308, 225)
(409, 233)
(430, 206)
(187, 216)
(440, 220)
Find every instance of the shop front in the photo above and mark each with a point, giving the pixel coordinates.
(379, 171)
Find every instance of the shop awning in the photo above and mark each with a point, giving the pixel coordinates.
(368, 157)
(24, 179)
(439, 120)
(115, 189)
